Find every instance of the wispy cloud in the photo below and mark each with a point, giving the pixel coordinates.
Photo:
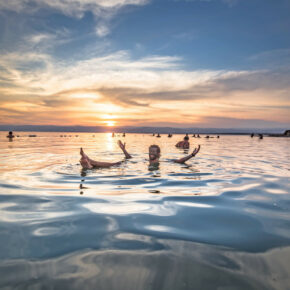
(125, 89)
(103, 10)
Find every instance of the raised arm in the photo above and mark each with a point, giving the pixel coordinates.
(122, 146)
(184, 159)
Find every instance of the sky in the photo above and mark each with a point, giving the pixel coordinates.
(179, 63)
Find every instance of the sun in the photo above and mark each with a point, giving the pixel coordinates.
(110, 123)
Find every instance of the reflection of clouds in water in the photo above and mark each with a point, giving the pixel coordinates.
(131, 208)
(193, 204)
(35, 217)
(189, 265)
(47, 231)
(246, 209)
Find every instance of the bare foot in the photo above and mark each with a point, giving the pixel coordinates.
(82, 153)
(85, 163)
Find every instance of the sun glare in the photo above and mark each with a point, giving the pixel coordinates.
(110, 123)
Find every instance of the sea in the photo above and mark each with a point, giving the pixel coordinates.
(219, 221)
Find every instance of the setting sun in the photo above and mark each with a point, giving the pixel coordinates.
(110, 123)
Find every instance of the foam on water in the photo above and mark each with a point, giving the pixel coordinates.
(221, 221)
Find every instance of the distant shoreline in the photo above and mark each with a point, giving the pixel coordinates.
(140, 130)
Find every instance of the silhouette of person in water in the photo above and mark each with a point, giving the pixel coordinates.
(10, 136)
(183, 144)
(154, 155)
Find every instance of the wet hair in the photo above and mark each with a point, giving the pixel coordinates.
(10, 133)
(186, 138)
(155, 146)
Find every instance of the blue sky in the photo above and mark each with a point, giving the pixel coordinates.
(208, 63)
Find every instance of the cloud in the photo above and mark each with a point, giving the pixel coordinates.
(103, 10)
(154, 87)
(276, 58)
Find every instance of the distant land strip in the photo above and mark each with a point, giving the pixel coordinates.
(145, 130)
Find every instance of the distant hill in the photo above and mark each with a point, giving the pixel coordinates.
(130, 129)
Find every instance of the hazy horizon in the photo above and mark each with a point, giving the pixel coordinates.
(139, 129)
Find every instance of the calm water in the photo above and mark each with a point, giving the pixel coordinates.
(220, 222)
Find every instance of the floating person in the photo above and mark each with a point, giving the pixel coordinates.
(261, 136)
(124, 134)
(154, 156)
(217, 136)
(153, 134)
(183, 144)
(193, 135)
(169, 135)
(10, 136)
(252, 135)
(198, 136)
(158, 136)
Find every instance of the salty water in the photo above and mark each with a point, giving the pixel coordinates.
(221, 221)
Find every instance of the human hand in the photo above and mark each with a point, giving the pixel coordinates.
(195, 151)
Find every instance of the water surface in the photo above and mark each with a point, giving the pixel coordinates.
(221, 221)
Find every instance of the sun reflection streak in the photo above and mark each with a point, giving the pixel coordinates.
(109, 142)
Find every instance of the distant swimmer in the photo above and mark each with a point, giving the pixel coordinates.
(217, 136)
(154, 156)
(10, 136)
(113, 134)
(198, 136)
(169, 135)
(260, 136)
(158, 136)
(183, 144)
(252, 135)
(193, 135)
(124, 134)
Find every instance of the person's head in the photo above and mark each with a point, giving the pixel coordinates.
(186, 138)
(154, 152)
(10, 133)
